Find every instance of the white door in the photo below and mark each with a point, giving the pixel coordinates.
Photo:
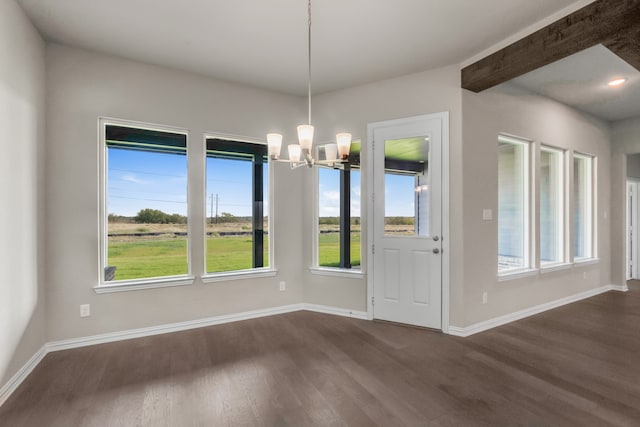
(407, 220)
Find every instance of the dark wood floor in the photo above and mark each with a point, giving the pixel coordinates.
(578, 365)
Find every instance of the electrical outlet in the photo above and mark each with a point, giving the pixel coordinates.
(487, 214)
(283, 286)
(85, 310)
(584, 275)
(485, 297)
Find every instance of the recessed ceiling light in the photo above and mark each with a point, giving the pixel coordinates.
(617, 82)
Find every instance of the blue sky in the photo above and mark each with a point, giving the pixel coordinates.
(139, 180)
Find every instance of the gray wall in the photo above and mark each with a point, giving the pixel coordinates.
(82, 86)
(352, 109)
(633, 166)
(22, 66)
(506, 109)
(626, 140)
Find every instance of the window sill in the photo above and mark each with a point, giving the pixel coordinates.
(555, 267)
(517, 274)
(137, 285)
(585, 261)
(239, 275)
(337, 272)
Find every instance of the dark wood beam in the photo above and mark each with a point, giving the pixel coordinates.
(604, 21)
(627, 46)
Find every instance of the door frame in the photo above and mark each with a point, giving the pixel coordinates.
(631, 223)
(444, 117)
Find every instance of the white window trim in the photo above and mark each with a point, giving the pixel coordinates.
(271, 269)
(563, 190)
(520, 273)
(558, 266)
(529, 219)
(136, 285)
(349, 273)
(146, 283)
(592, 195)
(239, 275)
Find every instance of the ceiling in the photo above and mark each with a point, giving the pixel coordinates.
(263, 43)
(580, 80)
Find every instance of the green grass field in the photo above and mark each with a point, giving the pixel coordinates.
(159, 258)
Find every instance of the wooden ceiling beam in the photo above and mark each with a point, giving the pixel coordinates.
(627, 46)
(613, 23)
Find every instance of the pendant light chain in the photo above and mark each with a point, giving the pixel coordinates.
(309, 64)
(301, 154)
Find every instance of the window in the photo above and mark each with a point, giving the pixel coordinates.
(237, 200)
(338, 239)
(551, 206)
(513, 204)
(145, 203)
(582, 206)
(406, 182)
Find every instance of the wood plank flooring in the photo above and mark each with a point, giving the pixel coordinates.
(578, 365)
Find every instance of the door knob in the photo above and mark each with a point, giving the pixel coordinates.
(436, 251)
(436, 238)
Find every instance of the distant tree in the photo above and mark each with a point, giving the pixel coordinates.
(399, 220)
(329, 220)
(226, 217)
(155, 216)
(117, 218)
(176, 219)
(151, 216)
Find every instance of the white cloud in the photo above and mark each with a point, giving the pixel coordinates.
(133, 179)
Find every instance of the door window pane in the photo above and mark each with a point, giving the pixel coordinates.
(551, 206)
(406, 181)
(512, 204)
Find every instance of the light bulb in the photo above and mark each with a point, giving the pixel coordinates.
(274, 143)
(294, 152)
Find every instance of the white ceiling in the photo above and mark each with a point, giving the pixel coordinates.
(262, 43)
(580, 80)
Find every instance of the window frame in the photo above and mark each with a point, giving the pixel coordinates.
(102, 285)
(563, 188)
(271, 269)
(529, 177)
(591, 208)
(316, 268)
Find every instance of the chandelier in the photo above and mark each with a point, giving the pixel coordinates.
(301, 154)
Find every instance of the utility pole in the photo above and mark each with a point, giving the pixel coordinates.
(216, 208)
(211, 210)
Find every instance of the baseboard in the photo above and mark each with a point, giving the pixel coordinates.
(345, 312)
(170, 327)
(15, 381)
(20, 376)
(508, 318)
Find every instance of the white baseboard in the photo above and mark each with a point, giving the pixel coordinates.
(337, 311)
(20, 376)
(170, 327)
(11, 386)
(508, 318)
(7, 389)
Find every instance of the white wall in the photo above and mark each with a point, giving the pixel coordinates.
(22, 66)
(351, 110)
(625, 140)
(82, 86)
(512, 111)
